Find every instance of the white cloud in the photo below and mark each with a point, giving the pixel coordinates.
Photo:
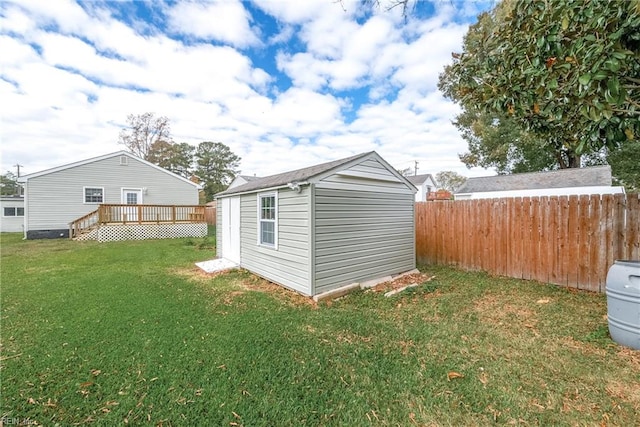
(71, 74)
(221, 20)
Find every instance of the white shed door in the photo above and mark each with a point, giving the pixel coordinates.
(231, 229)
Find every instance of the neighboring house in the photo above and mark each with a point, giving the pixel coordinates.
(425, 185)
(563, 182)
(12, 208)
(56, 197)
(241, 180)
(322, 227)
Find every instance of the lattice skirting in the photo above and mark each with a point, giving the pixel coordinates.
(111, 233)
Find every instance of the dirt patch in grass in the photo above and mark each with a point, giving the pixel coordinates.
(400, 282)
(493, 310)
(239, 282)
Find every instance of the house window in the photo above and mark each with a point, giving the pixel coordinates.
(13, 212)
(267, 219)
(93, 195)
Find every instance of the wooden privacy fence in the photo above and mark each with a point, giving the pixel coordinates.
(210, 214)
(569, 241)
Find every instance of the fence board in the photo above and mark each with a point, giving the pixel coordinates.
(584, 232)
(569, 241)
(633, 227)
(595, 243)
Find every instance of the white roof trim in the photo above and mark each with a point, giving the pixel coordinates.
(368, 156)
(25, 178)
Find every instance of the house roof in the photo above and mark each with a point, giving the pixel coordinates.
(25, 178)
(563, 178)
(249, 177)
(420, 179)
(299, 175)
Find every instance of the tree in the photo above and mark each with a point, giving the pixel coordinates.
(565, 70)
(625, 165)
(177, 158)
(501, 143)
(144, 130)
(450, 180)
(9, 184)
(215, 166)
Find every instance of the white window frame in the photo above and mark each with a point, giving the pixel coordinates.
(15, 211)
(260, 196)
(84, 195)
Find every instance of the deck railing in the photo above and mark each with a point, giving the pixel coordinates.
(84, 223)
(127, 214)
(137, 214)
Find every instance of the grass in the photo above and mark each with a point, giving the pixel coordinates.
(131, 332)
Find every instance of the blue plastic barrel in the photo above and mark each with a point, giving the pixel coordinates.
(623, 303)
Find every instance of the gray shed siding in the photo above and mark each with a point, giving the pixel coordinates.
(364, 226)
(57, 198)
(289, 264)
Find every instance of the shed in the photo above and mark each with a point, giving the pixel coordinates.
(323, 227)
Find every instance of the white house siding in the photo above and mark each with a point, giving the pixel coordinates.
(289, 264)
(364, 226)
(57, 198)
(11, 224)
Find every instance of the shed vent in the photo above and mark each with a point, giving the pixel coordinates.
(124, 160)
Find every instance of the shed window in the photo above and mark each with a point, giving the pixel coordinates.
(13, 212)
(267, 219)
(93, 195)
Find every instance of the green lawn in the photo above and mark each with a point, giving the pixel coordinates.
(131, 332)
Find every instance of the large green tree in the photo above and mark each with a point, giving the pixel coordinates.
(566, 70)
(9, 184)
(625, 165)
(215, 166)
(502, 143)
(177, 158)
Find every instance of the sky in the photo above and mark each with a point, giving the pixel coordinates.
(284, 83)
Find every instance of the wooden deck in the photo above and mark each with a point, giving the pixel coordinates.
(120, 214)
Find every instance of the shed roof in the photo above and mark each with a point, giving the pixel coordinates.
(298, 175)
(563, 178)
(25, 178)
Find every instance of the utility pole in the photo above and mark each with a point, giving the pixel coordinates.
(415, 171)
(18, 186)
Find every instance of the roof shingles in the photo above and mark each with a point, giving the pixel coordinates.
(284, 178)
(563, 178)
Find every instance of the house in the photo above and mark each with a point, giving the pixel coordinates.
(563, 182)
(95, 190)
(12, 208)
(323, 227)
(241, 179)
(425, 184)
